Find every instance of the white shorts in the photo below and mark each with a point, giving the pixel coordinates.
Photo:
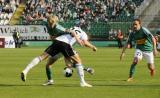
(147, 55)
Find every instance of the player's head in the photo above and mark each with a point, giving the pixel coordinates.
(52, 20)
(137, 24)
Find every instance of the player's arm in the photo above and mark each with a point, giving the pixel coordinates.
(149, 34)
(126, 45)
(89, 45)
(123, 51)
(78, 40)
(155, 52)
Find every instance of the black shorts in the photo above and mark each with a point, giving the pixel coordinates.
(60, 47)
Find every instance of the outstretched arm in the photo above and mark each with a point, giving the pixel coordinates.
(123, 51)
(89, 45)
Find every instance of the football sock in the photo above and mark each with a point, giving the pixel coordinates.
(74, 66)
(33, 63)
(80, 72)
(49, 73)
(132, 70)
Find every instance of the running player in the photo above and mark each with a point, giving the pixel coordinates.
(145, 47)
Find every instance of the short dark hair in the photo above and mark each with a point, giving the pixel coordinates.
(137, 19)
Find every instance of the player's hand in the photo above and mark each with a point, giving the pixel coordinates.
(122, 55)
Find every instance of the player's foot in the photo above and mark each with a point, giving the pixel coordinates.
(89, 70)
(49, 82)
(23, 76)
(129, 79)
(85, 85)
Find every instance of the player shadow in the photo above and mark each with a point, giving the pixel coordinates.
(78, 86)
(40, 85)
(127, 85)
(9, 85)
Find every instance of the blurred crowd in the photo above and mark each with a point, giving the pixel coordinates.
(84, 10)
(7, 8)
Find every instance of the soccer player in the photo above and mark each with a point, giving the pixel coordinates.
(145, 47)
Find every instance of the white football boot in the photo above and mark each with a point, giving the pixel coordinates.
(49, 82)
(84, 84)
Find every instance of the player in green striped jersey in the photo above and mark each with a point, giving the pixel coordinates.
(145, 47)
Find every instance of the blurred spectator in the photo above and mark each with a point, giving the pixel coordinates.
(119, 38)
(17, 39)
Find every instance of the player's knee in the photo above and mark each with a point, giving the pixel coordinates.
(135, 61)
(151, 66)
(48, 66)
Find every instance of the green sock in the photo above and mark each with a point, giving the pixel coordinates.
(49, 73)
(132, 70)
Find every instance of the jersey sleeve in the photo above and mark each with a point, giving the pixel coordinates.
(84, 36)
(60, 28)
(147, 32)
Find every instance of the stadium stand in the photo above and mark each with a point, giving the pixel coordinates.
(7, 8)
(98, 16)
(87, 10)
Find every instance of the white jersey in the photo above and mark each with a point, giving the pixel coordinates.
(69, 39)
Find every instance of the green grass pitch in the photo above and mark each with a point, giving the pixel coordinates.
(108, 80)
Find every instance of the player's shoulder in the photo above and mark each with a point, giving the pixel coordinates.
(145, 30)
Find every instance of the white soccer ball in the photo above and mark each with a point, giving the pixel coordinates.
(68, 72)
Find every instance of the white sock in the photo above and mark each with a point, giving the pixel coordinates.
(80, 72)
(33, 63)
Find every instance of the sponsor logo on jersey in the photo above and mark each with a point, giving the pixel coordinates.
(141, 41)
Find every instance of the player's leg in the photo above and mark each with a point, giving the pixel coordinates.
(68, 52)
(69, 63)
(49, 63)
(37, 60)
(80, 70)
(151, 67)
(137, 56)
(33, 63)
(150, 62)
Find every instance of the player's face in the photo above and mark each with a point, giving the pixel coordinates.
(136, 25)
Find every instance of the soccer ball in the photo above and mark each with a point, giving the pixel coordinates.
(68, 72)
